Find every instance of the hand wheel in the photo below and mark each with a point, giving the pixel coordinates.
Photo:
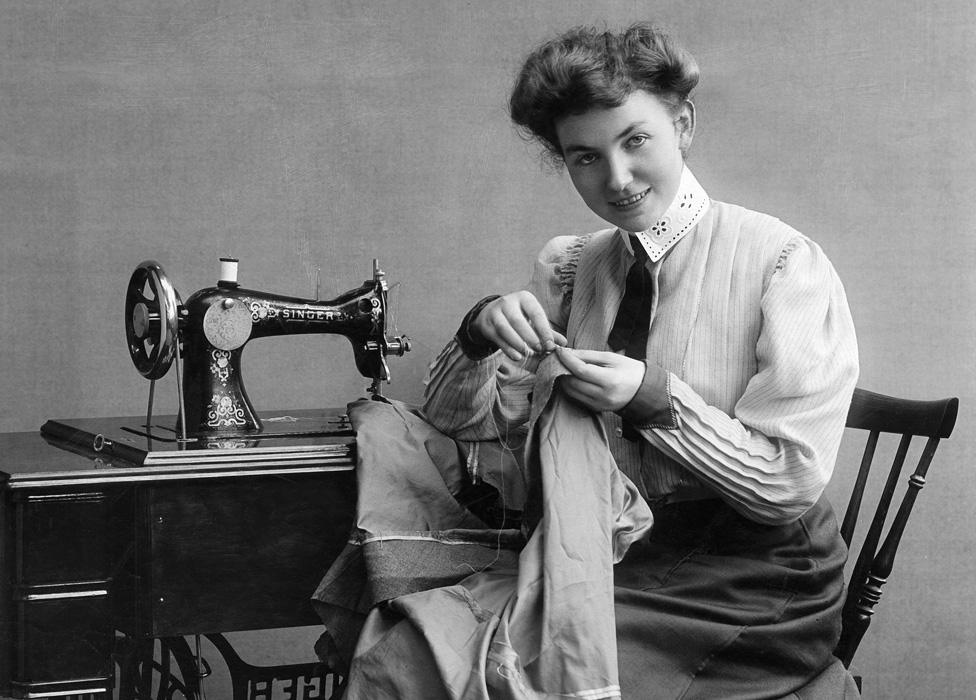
(151, 320)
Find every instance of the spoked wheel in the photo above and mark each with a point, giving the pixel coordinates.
(151, 320)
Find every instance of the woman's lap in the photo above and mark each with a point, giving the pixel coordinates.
(714, 605)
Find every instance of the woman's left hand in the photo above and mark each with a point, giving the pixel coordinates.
(601, 381)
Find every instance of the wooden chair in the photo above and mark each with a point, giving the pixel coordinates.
(878, 414)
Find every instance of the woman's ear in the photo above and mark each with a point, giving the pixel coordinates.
(685, 124)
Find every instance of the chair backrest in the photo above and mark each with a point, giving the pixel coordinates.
(878, 414)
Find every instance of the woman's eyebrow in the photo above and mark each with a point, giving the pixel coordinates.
(576, 148)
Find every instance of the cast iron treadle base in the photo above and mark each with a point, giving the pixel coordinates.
(307, 681)
(165, 669)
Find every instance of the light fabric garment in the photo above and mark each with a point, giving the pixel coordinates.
(543, 628)
(751, 325)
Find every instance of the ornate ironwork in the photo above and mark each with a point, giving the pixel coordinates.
(157, 669)
(304, 681)
(167, 669)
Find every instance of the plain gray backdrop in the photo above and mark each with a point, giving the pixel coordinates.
(300, 136)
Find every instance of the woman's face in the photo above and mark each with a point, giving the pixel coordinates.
(626, 161)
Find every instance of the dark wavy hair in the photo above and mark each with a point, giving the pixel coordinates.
(587, 67)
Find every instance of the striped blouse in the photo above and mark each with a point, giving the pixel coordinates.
(751, 333)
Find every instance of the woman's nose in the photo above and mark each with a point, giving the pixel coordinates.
(618, 174)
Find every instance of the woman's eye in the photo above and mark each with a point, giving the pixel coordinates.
(586, 159)
(636, 140)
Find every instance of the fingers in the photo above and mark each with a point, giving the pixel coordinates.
(603, 381)
(518, 325)
(509, 337)
(571, 360)
(588, 365)
(578, 389)
(600, 358)
(523, 321)
(538, 333)
(569, 385)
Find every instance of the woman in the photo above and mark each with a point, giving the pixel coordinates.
(717, 345)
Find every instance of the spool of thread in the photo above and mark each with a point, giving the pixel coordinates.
(228, 271)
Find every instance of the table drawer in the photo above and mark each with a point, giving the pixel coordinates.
(61, 537)
(66, 636)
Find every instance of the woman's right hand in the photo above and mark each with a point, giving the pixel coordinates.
(518, 325)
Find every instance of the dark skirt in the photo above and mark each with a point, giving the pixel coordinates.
(713, 605)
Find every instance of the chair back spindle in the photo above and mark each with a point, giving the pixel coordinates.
(880, 414)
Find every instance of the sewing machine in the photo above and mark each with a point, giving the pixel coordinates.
(116, 532)
(216, 323)
(204, 339)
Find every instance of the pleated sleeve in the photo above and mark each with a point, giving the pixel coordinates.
(772, 457)
(483, 398)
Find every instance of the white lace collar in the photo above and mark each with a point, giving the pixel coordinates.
(686, 209)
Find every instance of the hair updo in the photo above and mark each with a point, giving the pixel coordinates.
(586, 68)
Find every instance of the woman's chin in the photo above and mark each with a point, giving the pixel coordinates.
(631, 222)
(640, 218)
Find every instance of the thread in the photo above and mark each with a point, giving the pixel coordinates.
(228, 270)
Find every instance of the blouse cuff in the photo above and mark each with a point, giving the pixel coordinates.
(472, 343)
(652, 406)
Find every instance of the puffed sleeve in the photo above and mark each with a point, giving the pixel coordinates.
(471, 396)
(772, 458)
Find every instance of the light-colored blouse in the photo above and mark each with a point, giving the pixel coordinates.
(751, 360)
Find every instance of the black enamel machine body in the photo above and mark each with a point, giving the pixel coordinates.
(206, 335)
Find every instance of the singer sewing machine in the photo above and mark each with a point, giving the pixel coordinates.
(216, 323)
(122, 538)
(204, 338)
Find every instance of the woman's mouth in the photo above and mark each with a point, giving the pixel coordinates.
(630, 201)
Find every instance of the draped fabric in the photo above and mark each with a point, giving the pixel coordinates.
(707, 604)
(465, 618)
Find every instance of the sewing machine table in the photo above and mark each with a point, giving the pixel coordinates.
(104, 536)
